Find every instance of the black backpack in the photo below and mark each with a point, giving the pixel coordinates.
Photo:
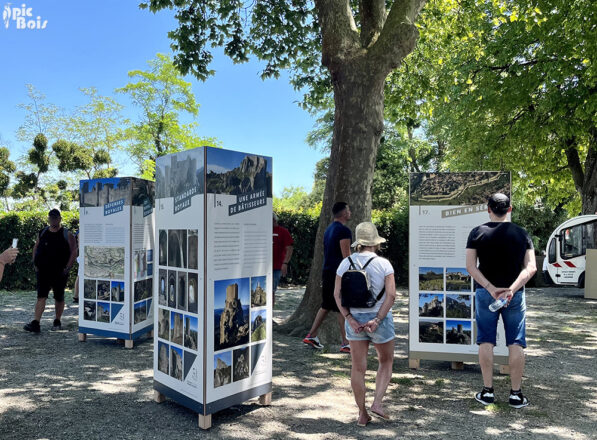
(40, 258)
(355, 290)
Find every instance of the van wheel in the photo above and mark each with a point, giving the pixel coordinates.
(581, 281)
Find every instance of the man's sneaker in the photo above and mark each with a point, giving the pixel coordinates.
(517, 400)
(486, 396)
(57, 325)
(33, 327)
(345, 348)
(313, 341)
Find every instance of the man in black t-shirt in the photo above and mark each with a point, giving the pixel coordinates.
(54, 253)
(336, 247)
(506, 263)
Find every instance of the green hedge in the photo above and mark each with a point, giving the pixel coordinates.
(26, 226)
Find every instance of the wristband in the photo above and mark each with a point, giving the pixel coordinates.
(347, 315)
(284, 264)
(377, 320)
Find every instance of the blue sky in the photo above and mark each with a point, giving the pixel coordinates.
(256, 280)
(428, 297)
(255, 314)
(95, 43)
(466, 325)
(220, 292)
(226, 357)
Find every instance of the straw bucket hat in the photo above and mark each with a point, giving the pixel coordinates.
(366, 235)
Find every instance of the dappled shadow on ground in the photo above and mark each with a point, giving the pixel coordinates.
(52, 386)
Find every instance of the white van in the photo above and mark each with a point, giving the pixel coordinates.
(567, 248)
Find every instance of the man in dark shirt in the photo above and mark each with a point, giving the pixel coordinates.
(282, 252)
(506, 263)
(54, 253)
(336, 247)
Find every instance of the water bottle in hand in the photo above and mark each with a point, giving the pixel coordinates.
(497, 304)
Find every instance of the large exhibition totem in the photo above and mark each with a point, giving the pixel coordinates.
(213, 344)
(444, 208)
(116, 258)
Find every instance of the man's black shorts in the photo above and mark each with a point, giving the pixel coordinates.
(328, 280)
(47, 282)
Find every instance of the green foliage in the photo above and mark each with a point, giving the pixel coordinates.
(26, 225)
(393, 226)
(539, 221)
(161, 94)
(72, 157)
(7, 167)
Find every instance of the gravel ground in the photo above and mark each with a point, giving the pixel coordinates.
(53, 387)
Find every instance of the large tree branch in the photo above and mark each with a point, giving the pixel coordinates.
(591, 161)
(398, 36)
(339, 32)
(578, 176)
(373, 17)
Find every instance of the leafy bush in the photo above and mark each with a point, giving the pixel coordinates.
(26, 226)
(303, 229)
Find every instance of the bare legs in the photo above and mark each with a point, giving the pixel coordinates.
(385, 356)
(516, 364)
(40, 306)
(321, 314)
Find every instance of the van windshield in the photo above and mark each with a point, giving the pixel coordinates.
(577, 239)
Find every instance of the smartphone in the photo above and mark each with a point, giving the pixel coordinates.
(15, 241)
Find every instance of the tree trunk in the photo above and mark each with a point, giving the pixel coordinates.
(358, 125)
(585, 180)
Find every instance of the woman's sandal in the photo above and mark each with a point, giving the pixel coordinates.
(364, 424)
(380, 415)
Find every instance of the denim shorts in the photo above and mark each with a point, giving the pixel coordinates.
(513, 317)
(383, 333)
(277, 275)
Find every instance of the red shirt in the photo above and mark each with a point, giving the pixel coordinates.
(282, 239)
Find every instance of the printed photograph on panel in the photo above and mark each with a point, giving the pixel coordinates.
(89, 289)
(222, 368)
(140, 263)
(176, 362)
(162, 288)
(458, 279)
(104, 262)
(193, 248)
(431, 278)
(150, 255)
(163, 352)
(193, 297)
(172, 289)
(256, 352)
(458, 332)
(89, 311)
(190, 332)
(143, 193)
(98, 192)
(176, 330)
(163, 248)
(236, 173)
(258, 295)
(258, 318)
(240, 364)
(103, 312)
(431, 332)
(231, 313)
(179, 173)
(163, 324)
(181, 302)
(140, 312)
(431, 305)
(458, 306)
(103, 290)
(177, 248)
(117, 288)
(450, 189)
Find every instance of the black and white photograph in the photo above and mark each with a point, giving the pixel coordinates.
(176, 362)
(193, 239)
(179, 173)
(172, 289)
(163, 357)
(89, 289)
(103, 312)
(177, 248)
(193, 299)
(181, 302)
(162, 287)
(163, 324)
(163, 248)
(190, 332)
(176, 330)
(240, 364)
(103, 290)
(98, 192)
(89, 310)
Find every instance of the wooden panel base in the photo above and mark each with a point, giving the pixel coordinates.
(414, 364)
(457, 365)
(82, 337)
(265, 399)
(128, 343)
(158, 397)
(504, 369)
(204, 421)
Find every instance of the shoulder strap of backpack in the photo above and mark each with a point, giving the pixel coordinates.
(43, 231)
(65, 233)
(380, 294)
(352, 266)
(368, 261)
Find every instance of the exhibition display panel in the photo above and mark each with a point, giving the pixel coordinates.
(213, 344)
(444, 208)
(116, 259)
